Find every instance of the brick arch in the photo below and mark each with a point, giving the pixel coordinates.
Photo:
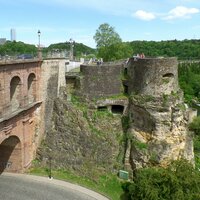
(31, 84)
(11, 154)
(15, 92)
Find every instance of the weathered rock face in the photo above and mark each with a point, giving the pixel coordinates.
(83, 139)
(158, 130)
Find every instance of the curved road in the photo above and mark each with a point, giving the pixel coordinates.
(28, 187)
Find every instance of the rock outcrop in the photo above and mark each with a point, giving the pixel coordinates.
(158, 116)
(83, 139)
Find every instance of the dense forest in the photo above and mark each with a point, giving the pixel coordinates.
(189, 81)
(183, 50)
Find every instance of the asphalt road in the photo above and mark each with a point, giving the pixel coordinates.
(25, 187)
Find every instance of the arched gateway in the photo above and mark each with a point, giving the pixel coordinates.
(11, 155)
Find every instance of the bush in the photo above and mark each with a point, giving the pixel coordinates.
(180, 181)
(195, 125)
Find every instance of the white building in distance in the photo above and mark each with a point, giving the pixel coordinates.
(13, 35)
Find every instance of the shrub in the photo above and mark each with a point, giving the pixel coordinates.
(180, 181)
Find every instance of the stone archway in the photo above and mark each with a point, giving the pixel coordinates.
(11, 155)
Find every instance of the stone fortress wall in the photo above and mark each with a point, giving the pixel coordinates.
(158, 117)
(145, 91)
(101, 80)
(153, 76)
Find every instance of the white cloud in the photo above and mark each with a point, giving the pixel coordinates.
(143, 15)
(181, 12)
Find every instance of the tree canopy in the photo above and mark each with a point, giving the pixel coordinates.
(180, 181)
(106, 36)
(109, 44)
(16, 48)
(189, 80)
(183, 50)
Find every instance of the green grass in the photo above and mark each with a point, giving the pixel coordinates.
(108, 185)
(77, 69)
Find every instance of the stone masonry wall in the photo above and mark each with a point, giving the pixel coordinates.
(152, 76)
(101, 80)
(53, 78)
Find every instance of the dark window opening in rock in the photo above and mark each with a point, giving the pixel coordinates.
(125, 89)
(117, 109)
(102, 108)
(125, 71)
(168, 75)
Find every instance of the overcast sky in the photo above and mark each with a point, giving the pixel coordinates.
(60, 20)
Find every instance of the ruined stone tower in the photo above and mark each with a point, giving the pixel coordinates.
(157, 114)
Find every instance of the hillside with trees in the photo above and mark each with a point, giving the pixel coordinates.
(111, 47)
(114, 48)
(16, 48)
(184, 50)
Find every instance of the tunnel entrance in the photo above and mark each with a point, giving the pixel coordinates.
(10, 155)
(117, 109)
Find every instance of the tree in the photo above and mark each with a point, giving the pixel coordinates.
(106, 36)
(109, 44)
(195, 125)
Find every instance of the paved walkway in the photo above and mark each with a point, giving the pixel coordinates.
(76, 189)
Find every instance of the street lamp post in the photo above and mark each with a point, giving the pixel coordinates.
(50, 175)
(72, 42)
(39, 49)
